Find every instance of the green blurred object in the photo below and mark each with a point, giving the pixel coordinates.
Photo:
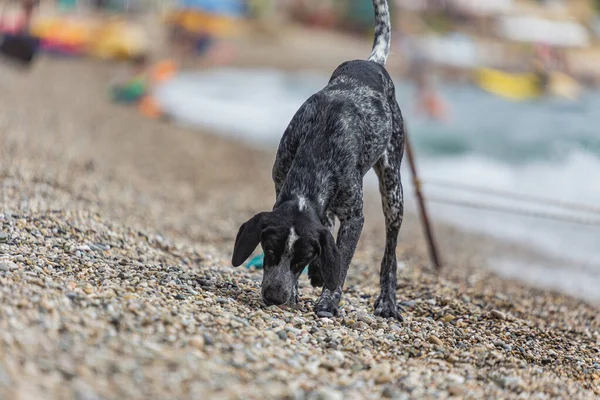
(130, 93)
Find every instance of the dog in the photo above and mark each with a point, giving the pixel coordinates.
(339, 134)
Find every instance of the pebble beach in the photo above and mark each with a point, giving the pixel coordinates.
(116, 235)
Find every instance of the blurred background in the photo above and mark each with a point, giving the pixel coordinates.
(499, 96)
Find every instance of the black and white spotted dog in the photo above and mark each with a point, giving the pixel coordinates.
(339, 134)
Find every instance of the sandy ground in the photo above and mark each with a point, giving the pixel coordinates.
(115, 279)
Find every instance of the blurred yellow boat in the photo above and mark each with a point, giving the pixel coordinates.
(523, 87)
(110, 39)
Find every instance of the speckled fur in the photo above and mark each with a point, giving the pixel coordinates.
(339, 134)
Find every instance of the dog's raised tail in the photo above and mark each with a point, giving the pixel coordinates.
(383, 32)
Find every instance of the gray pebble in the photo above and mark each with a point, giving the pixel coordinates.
(503, 345)
(509, 382)
(388, 392)
(324, 314)
(241, 320)
(208, 340)
(327, 394)
(295, 331)
(282, 335)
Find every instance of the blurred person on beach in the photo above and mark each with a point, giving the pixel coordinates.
(541, 63)
(23, 24)
(429, 101)
(28, 7)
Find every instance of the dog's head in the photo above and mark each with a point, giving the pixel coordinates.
(292, 236)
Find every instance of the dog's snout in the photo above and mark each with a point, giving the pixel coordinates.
(274, 297)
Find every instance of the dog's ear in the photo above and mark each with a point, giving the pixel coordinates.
(247, 239)
(329, 260)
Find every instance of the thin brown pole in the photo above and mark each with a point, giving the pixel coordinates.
(433, 251)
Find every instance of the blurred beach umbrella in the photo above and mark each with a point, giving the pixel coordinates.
(539, 30)
(216, 17)
(231, 8)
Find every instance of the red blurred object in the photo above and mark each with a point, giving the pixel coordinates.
(13, 27)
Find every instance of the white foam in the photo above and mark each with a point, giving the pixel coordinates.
(567, 181)
(255, 109)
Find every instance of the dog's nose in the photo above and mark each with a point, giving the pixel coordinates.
(272, 298)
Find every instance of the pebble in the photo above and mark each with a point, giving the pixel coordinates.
(456, 390)
(448, 318)
(208, 340)
(408, 303)
(503, 345)
(88, 288)
(282, 335)
(242, 321)
(389, 392)
(452, 359)
(366, 318)
(83, 391)
(295, 331)
(197, 342)
(383, 373)
(456, 379)
(3, 237)
(498, 315)
(509, 382)
(435, 340)
(324, 314)
(328, 394)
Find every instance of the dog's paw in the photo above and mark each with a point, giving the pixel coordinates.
(387, 308)
(294, 300)
(326, 309)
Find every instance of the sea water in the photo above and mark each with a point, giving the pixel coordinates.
(547, 148)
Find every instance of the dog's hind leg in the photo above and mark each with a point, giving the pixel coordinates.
(390, 187)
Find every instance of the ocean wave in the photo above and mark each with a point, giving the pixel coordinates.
(569, 181)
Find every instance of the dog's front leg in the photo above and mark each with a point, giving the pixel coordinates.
(347, 240)
(295, 295)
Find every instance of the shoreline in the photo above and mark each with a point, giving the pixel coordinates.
(117, 281)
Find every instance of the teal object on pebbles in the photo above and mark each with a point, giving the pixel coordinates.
(258, 262)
